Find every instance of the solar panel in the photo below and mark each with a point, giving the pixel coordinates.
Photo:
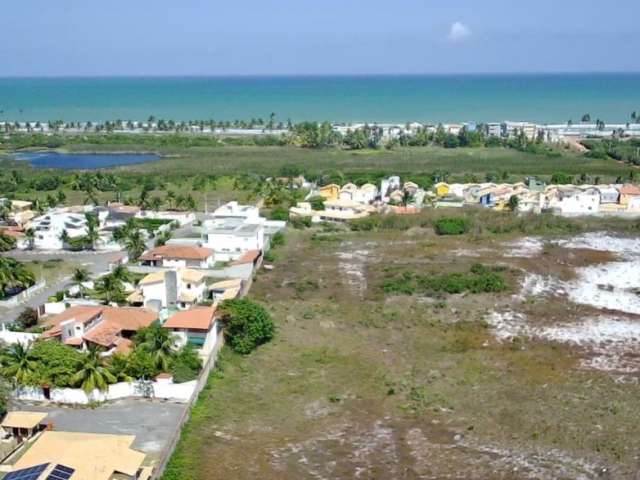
(31, 473)
(60, 472)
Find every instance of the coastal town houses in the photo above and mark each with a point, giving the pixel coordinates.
(180, 288)
(232, 237)
(198, 327)
(178, 256)
(108, 327)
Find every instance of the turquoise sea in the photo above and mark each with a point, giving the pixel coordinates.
(442, 98)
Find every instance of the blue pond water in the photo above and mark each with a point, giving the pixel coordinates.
(84, 161)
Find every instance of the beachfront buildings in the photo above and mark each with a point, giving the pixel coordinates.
(110, 328)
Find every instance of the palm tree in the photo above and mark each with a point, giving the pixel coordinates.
(122, 273)
(110, 288)
(158, 342)
(155, 203)
(14, 276)
(18, 364)
(64, 237)
(134, 243)
(93, 373)
(80, 276)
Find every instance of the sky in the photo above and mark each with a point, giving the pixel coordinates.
(303, 37)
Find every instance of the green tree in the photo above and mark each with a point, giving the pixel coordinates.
(247, 325)
(157, 341)
(134, 243)
(18, 363)
(6, 242)
(514, 201)
(93, 373)
(110, 289)
(80, 276)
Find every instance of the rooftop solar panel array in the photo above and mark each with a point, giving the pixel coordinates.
(60, 472)
(31, 473)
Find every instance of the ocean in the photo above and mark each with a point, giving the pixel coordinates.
(443, 98)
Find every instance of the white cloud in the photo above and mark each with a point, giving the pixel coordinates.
(458, 32)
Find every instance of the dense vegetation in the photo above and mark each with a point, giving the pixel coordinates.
(247, 325)
(14, 277)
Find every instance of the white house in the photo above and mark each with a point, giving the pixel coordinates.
(231, 237)
(342, 211)
(575, 202)
(181, 288)
(49, 228)
(233, 210)
(178, 256)
(198, 327)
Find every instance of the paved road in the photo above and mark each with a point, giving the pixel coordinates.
(96, 262)
(152, 422)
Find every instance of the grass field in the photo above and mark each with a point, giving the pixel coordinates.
(403, 161)
(363, 384)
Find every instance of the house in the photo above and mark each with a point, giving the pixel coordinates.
(180, 288)
(108, 327)
(23, 425)
(388, 185)
(348, 192)
(246, 213)
(342, 211)
(301, 210)
(232, 237)
(198, 327)
(410, 188)
(225, 289)
(330, 192)
(51, 227)
(366, 194)
(535, 185)
(573, 201)
(441, 189)
(608, 194)
(397, 197)
(178, 256)
(78, 456)
(628, 192)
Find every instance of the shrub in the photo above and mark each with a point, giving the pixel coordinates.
(28, 318)
(248, 325)
(279, 214)
(186, 365)
(277, 240)
(452, 226)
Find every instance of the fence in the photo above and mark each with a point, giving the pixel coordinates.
(22, 296)
(175, 436)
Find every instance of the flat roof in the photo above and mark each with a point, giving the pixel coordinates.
(92, 456)
(23, 419)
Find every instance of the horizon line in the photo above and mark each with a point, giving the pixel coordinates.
(328, 75)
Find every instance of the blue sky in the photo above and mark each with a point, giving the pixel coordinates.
(249, 37)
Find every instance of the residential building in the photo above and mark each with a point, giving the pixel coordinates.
(573, 201)
(342, 211)
(22, 424)
(107, 327)
(231, 238)
(494, 129)
(628, 193)
(198, 327)
(330, 192)
(441, 189)
(79, 456)
(225, 289)
(180, 288)
(178, 256)
(608, 194)
(233, 210)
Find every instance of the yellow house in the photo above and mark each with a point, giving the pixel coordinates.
(627, 193)
(441, 189)
(330, 192)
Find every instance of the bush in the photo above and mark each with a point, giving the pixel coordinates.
(248, 325)
(277, 240)
(452, 226)
(279, 214)
(6, 242)
(28, 318)
(186, 365)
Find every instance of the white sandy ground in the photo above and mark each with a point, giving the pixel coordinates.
(528, 247)
(352, 265)
(610, 343)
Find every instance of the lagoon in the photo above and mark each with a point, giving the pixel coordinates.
(84, 161)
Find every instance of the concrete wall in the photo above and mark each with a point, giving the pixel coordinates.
(178, 392)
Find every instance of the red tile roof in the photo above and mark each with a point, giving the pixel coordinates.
(200, 318)
(630, 190)
(182, 252)
(248, 257)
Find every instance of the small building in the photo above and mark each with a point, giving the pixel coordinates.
(79, 456)
(182, 288)
(198, 327)
(233, 210)
(343, 211)
(441, 189)
(348, 192)
(627, 193)
(330, 192)
(225, 290)
(232, 238)
(23, 424)
(494, 129)
(608, 194)
(178, 256)
(366, 194)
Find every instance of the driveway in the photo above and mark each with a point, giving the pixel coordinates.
(153, 423)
